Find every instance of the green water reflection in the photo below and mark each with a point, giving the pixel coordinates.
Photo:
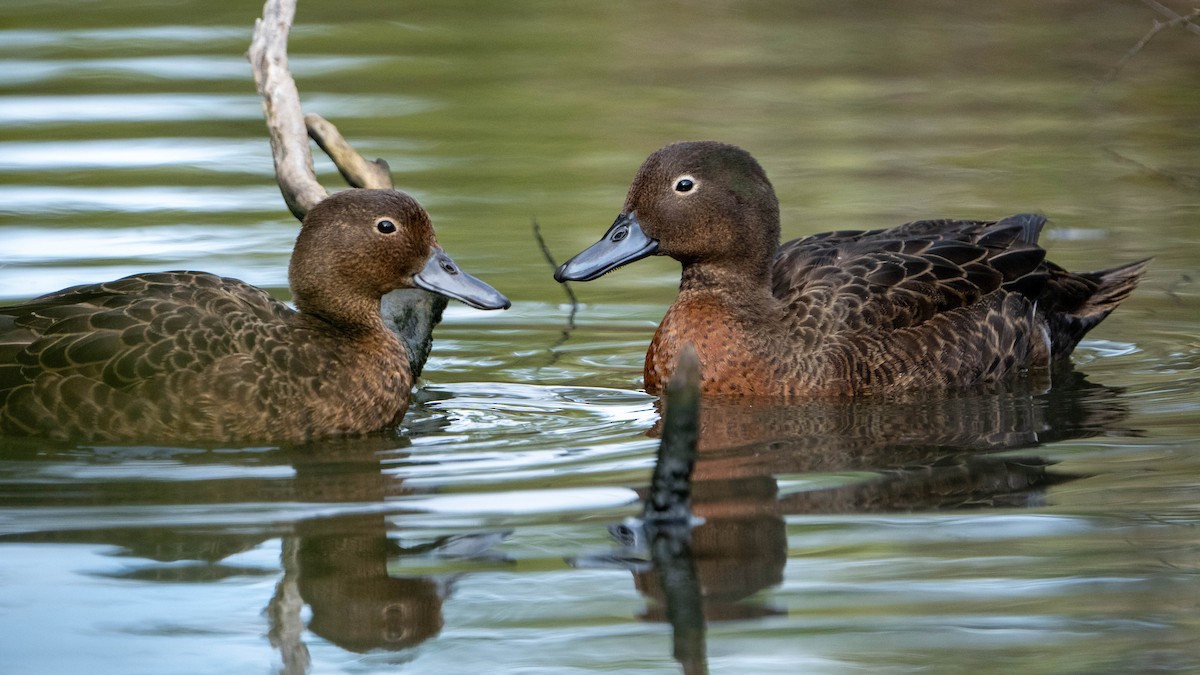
(996, 532)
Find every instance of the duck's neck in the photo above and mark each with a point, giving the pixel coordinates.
(726, 316)
(357, 317)
(739, 287)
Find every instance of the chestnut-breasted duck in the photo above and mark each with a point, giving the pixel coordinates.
(191, 356)
(932, 303)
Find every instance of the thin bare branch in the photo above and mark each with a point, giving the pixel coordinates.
(541, 242)
(1177, 178)
(1173, 18)
(281, 107)
(358, 171)
(1158, 27)
(1133, 51)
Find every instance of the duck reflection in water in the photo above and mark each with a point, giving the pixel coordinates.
(336, 566)
(340, 567)
(967, 449)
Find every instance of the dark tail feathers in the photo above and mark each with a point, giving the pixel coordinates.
(1112, 286)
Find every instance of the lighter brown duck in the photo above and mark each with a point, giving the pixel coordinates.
(191, 356)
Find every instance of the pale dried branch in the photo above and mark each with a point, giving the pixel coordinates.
(358, 171)
(290, 128)
(281, 107)
(411, 313)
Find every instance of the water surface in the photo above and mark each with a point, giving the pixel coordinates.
(1018, 529)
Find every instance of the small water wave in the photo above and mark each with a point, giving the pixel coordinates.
(42, 199)
(21, 41)
(224, 155)
(42, 260)
(50, 109)
(194, 67)
(496, 433)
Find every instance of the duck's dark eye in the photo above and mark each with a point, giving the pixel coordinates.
(684, 185)
(385, 226)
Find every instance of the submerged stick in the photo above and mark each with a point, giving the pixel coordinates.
(1173, 17)
(1177, 178)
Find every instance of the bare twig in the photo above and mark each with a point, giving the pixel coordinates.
(281, 106)
(411, 313)
(1184, 180)
(1175, 19)
(290, 128)
(1172, 21)
(537, 235)
(667, 513)
(357, 171)
(283, 612)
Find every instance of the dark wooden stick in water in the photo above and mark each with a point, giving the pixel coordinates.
(670, 498)
(667, 514)
(671, 551)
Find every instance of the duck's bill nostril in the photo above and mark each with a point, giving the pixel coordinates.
(624, 243)
(442, 275)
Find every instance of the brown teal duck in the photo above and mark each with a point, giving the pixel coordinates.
(191, 356)
(932, 303)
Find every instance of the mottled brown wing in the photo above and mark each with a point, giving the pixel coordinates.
(253, 391)
(903, 276)
(83, 352)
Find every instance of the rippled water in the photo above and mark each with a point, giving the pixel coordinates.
(996, 531)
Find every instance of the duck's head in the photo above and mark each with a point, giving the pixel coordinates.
(697, 202)
(357, 245)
